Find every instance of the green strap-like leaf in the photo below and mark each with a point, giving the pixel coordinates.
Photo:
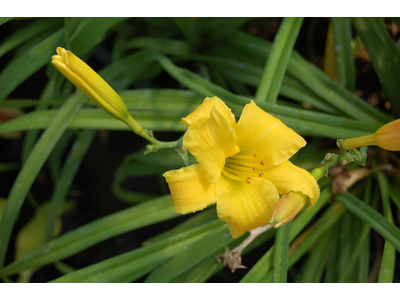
(24, 66)
(28, 32)
(32, 167)
(385, 57)
(386, 272)
(344, 52)
(277, 61)
(314, 266)
(96, 119)
(281, 252)
(132, 265)
(151, 212)
(66, 178)
(186, 26)
(313, 78)
(366, 213)
(4, 20)
(163, 45)
(32, 136)
(194, 253)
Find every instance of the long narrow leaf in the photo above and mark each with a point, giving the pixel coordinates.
(313, 78)
(32, 167)
(64, 182)
(145, 214)
(384, 55)
(314, 266)
(378, 222)
(344, 52)
(24, 66)
(136, 263)
(216, 239)
(278, 59)
(281, 251)
(386, 273)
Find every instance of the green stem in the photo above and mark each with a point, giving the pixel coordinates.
(161, 145)
(138, 129)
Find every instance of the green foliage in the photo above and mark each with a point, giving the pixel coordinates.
(163, 68)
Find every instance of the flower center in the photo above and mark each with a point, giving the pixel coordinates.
(242, 167)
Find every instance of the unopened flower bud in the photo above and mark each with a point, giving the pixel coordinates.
(89, 82)
(387, 137)
(287, 208)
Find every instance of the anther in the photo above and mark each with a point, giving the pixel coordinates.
(261, 174)
(262, 163)
(255, 155)
(254, 168)
(247, 181)
(249, 178)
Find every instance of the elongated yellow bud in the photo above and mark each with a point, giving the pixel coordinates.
(89, 82)
(287, 208)
(387, 137)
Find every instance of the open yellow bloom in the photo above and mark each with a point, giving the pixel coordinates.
(242, 166)
(387, 137)
(89, 82)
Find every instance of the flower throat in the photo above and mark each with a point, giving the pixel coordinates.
(242, 167)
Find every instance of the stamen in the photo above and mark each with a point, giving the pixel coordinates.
(261, 174)
(262, 163)
(231, 176)
(247, 181)
(238, 173)
(236, 167)
(243, 157)
(254, 168)
(239, 162)
(255, 155)
(249, 178)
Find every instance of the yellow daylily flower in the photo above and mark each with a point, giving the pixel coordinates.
(387, 137)
(89, 82)
(243, 166)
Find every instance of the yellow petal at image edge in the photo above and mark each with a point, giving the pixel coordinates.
(287, 177)
(190, 189)
(211, 141)
(204, 111)
(245, 206)
(261, 133)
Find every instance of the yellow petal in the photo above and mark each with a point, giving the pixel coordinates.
(245, 206)
(89, 82)
(289, 178)
(261, 133)
(190, 189)
(204, 111)
(211, 141)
